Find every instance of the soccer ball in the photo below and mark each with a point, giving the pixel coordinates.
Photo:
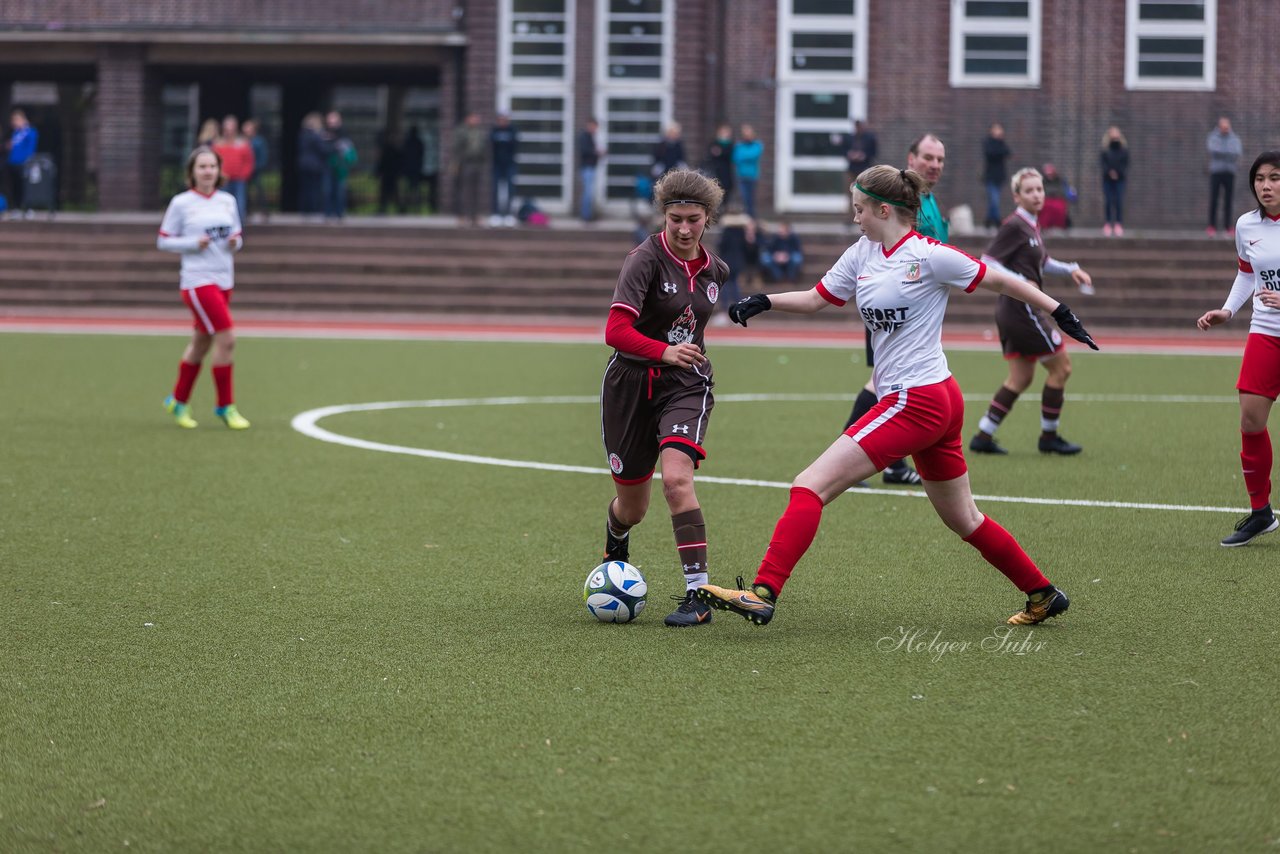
(615, 592)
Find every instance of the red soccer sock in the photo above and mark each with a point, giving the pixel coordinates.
(222, 379)
(998, 547)
(792, 537)
(1255, 462)
(187, 373)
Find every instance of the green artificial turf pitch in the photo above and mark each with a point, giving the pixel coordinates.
(217, 641)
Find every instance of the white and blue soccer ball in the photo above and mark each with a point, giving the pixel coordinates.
(615, 592)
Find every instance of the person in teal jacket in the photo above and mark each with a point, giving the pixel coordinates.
(746, 163)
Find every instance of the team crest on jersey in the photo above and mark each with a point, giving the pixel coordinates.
(681, 332)
(615, 464)
(913, 272)
(713, 292)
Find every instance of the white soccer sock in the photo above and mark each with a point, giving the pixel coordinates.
(694, 580)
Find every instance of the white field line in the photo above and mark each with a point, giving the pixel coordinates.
(821, 339)
(306, 423)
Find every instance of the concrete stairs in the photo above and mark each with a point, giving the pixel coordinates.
(1157, 281)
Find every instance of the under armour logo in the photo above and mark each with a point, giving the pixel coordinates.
(691, 567)
(669, 287)
(681, 428)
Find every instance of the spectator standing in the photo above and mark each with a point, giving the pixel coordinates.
(431, 167)
(1058, 196)
(668, 154)
(782, 255)
(1224, 158)
(467, 168)
(720, 159)
(313, 164)
(388, 168)
(995, 152)
(740, 250)
(860, 150)
(1114, 160)
(342, 159)
(208, 133)
(21, 148)
(261, 158)
(504, 141)
(589, 154)
(237, 162)
(746, 164)
(412, 155)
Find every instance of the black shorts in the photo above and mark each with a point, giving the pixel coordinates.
(1026, 332)
(644, 409)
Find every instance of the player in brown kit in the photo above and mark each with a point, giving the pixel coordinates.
(1026, 335)
(655, 402)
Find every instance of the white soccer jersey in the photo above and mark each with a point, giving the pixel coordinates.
(901, 292)
(191, 216)
(1258, 248)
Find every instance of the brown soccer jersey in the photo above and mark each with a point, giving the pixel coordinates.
(1024, 331)
(671, 298)
(647, 405)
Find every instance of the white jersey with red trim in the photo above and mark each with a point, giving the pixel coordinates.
(901, 292)
(192, 215)
(1258, 248)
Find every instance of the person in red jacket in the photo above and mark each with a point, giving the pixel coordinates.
(237, 161)
(656, 401)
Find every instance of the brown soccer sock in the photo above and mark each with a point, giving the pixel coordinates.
(999, 407)
(1051, 409)
(616, 528)
(691, 545)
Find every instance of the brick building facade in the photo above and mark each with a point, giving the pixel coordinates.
(1055, 73)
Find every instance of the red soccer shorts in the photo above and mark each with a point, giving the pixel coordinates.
(1260, 368)
(209, 306)
(924, 423)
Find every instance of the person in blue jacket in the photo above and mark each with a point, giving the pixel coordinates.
(21, 148)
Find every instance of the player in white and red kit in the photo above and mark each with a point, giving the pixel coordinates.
(656, 400)
(203, 225)
(1258, 277)
(901, 282)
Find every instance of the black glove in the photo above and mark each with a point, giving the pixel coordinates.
(748, 307)
(1070, 324)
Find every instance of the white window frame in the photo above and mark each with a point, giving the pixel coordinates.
(510, 86)
(786, 198)
(962, 26)
(506, 16)
(1207, 30)
(601, 102)
(792, 82)
(606, 87)
(553, 203)
(790, 23)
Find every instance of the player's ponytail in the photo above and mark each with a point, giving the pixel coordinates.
(901, 189)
